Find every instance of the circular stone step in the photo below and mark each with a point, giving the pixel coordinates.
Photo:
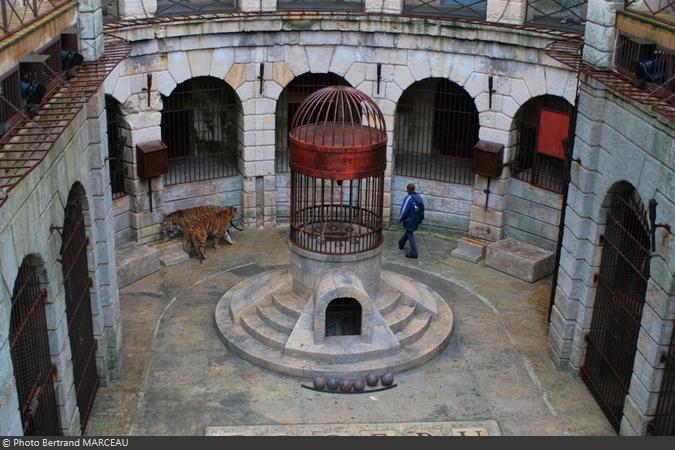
(420, 336)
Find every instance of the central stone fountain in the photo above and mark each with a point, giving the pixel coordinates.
(334, 311)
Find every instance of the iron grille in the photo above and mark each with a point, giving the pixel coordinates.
(461, 9)
(336, 218)
(10, 100)
(435, 131)
(569, 15)
(529, 165)
(116, 145)
(29, 347)
(77, 286)
(620, 296)
(175, 7)
(663, 423)
(54, 52)
(200, 125)
(17, 14)
(289, 100)
(320, 5)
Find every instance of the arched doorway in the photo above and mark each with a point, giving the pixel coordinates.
(343, 317)
(619, 300)
(436, 127)
(77, 286)
(202, 125)
(29, 347)
(289, 100)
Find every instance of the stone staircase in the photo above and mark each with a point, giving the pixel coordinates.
(266, 326)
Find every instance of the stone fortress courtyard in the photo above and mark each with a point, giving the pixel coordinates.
(539, 134)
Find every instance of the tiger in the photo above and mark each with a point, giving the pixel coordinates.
(196, 224)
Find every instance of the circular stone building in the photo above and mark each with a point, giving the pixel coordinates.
(334, 311)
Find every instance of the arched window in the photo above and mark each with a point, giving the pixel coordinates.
(201, 125)
(435, 130)
(531, 165)
(29, 347)
(289, 100)
(116, 144)
(343, 317)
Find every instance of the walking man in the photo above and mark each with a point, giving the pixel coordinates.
(411, 216)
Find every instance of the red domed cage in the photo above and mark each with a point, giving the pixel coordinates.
(337, 147)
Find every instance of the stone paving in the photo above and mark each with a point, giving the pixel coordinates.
(178, 378)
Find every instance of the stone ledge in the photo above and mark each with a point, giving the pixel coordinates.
(135, 262)
(520, 259)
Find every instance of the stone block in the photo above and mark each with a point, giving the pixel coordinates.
(135, 262)
(171, 253)
(520, 259)
(468, 249)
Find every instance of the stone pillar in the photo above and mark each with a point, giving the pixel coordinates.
(130, 9)
(101, 229)
(599, 35)
(257, 5)
(506, 11)
(384, 6)
(90, 19)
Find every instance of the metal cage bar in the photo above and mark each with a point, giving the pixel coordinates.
(435, 131)
(289, 100)
(619, 300)
(201, 127)
(77, 286)
(116, 144)
(29, 348)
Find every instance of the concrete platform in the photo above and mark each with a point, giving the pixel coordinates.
(135, 262)
(520, 259)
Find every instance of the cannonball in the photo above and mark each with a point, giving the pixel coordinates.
(333, 383)
(346, 384)
(359, 384)
(371, 379)
(319, 382)
(387, 379)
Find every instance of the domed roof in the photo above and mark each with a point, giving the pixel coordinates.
(338, 132)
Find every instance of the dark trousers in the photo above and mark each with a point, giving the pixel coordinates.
(409, 236)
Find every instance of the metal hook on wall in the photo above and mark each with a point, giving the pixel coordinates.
(652, 222)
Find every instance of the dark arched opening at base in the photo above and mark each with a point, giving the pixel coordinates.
(343, 317)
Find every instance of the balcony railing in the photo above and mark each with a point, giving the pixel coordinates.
(461, 9)
(562, 14)
(17, 14)
(320, 5)
(664, 9)
(175, 7)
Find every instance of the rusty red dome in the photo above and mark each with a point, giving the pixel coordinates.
(338, 133)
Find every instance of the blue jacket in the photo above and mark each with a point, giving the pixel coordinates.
(412, 211)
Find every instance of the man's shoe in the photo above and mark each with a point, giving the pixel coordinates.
(410, 255)
(400, 247)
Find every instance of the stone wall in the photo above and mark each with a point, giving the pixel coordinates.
(618, 142)
(532, 214)
(37, 203)
(122, 220)
(409, 50)
(221, 191)
(446, 205)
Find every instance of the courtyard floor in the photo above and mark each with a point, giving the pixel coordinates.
(178, 378)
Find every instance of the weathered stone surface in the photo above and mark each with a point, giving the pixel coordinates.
(471, 250)
(520, 259)
(135, 262)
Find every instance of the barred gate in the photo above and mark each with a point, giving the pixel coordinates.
(663, 423)
(29, 347)
(620, 296)
(78, 305)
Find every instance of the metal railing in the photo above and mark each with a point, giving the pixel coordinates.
(436, 127)
(320, 5)
(17, 14)
(653, 7)
(461, 9)
(529, 165)
(563, 14)
(200, 125)
(175, 7)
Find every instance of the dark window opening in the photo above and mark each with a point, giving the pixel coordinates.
(116, 144)
(343, 317)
